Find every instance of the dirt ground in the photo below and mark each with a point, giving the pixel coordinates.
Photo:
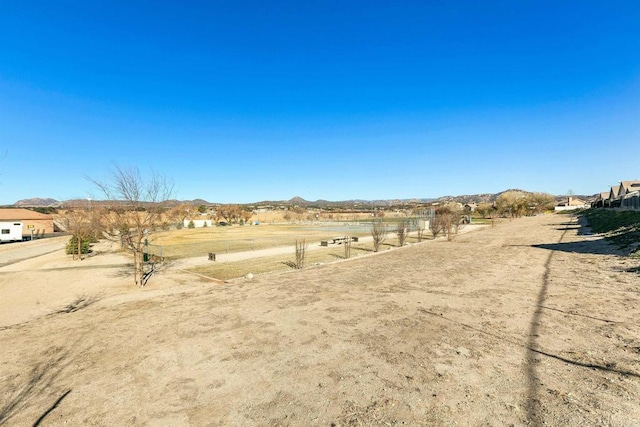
(532, 322)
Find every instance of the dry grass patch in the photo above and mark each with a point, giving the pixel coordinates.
(278, 263)
(195, 242)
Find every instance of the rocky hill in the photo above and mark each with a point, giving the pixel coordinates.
(37, 203)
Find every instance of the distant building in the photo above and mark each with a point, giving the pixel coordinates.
(629, 195)
(627, 187)
(32, 222)
(625, 195)
(613, 196)
(470, 207)
(571, 203)
(198, 223)
(601, 199)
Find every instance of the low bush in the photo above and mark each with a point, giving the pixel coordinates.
(620, 226)
(72, 246)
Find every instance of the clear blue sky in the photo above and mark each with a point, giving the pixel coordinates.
(241, 101)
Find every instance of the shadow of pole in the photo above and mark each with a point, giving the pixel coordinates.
(532, 403)
(51, 408)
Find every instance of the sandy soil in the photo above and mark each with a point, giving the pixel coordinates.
(533, 322)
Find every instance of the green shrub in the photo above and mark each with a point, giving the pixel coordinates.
(191, 224)
(72, 246)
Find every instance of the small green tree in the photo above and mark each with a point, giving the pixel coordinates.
(191, 224)
(85, 226)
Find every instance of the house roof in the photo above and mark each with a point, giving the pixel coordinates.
(603, 195)
(628, 187)
(19, 214)
(614, 191)
(573, 201)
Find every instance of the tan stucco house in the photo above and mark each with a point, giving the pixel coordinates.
(40, 223)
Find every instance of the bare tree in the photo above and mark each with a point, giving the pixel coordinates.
(485, 209)
(539, 202)
(230, 213)
(448, 217)
(301, 253)
(422, 224)
(347, 247)
(246, 216)
(402, 230)
(378, 232)
(299, 212)
(457, 223)
(135, 209)
(180, 213)
(436, 225)
(512, 204)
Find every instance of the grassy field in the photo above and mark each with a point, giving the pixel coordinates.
(200, 241)
(268, 264)
(231, 270)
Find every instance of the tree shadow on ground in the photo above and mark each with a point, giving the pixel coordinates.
(579, 223)
(595, 245)
(598, 247)
(122, 271)
(81, 302)
(83, 267)
(291, 264)
(125, 270)
(41, 381)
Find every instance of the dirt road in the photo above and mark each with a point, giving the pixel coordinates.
(533, 322)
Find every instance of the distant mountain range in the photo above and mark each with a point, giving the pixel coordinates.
(299, 201)
(469, 198)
